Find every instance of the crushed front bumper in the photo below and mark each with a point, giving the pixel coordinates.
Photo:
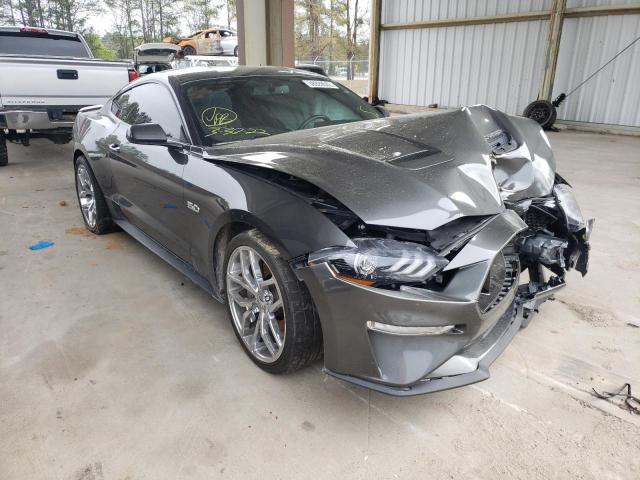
(470, 365)
(429, 341)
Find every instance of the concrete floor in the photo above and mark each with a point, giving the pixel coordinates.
(112, 368)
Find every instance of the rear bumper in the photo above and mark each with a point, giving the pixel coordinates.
(30, 120)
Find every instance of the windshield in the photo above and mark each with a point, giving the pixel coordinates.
(245, 108)
(42, 44)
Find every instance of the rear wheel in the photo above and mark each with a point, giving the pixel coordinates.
(4, 155)
(270, 309)
(95, 212)
(189, 50)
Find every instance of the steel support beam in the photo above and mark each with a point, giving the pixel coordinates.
(576, 12)
(517, 17)
(553, 47)
(265, 32)
(457, 22)
(374, 50)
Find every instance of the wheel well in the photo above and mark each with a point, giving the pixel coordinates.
(76, 154)
(223, 238)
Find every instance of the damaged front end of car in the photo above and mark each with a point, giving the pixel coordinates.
(458, 229)
(556, 241)
(418, 311)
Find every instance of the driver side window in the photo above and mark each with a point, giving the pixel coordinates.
(149, 103)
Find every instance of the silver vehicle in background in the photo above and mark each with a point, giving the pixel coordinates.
(228, 42)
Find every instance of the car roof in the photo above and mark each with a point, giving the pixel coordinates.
(187, 75)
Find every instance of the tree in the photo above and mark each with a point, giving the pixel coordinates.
(61, 14)
(200, 13)
(352, 18)
(7, 13)
(231, 12)
(97, 46)
(331, 29)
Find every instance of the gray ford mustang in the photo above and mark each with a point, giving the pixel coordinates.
(393, 246)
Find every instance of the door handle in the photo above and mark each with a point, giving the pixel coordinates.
(114, 147)
(67, 74)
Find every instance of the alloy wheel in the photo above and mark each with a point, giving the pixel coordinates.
(86, 196)
(256, 304)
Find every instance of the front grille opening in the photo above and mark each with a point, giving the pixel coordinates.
(537, 218)
(500, 280)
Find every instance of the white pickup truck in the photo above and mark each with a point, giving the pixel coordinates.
(46, 76)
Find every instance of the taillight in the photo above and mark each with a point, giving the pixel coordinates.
(133, 75)
(34, 30)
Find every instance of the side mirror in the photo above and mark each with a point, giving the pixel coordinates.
(382, 110)
(147, 134)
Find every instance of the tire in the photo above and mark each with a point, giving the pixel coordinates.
(235, 51)
(4, 154)
(542, 111)
(189, 50)
(88, 188)
(302, 334)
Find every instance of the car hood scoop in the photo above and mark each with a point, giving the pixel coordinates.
(414, 171)
(390, 147)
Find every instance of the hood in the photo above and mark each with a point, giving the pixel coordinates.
(413, 171)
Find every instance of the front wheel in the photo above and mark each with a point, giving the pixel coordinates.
(271, 311)
(235, 51)
(189, 50)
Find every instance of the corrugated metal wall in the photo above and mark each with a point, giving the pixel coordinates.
(502, 64)
(612, 96)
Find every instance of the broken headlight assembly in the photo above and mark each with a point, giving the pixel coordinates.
(379, 262)
(569, 207)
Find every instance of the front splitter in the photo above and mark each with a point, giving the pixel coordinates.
(510, 327)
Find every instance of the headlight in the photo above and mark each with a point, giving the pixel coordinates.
(377, 261)
(569, 206)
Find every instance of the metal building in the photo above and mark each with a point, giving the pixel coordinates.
(508, 53)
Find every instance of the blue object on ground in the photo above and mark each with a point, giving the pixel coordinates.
(40, 245)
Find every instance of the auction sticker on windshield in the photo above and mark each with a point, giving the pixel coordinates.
(319, 84)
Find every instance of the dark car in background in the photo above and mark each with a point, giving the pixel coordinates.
(396, 246)
(310, 67)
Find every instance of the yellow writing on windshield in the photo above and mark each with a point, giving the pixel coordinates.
(216, 116)
(230, 131)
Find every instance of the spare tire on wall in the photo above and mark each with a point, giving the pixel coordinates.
(542, 111)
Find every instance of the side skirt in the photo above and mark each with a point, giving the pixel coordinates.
(183, 267)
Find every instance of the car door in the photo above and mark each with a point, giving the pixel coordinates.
(228, 42)
(208, 43)
(148, 178)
